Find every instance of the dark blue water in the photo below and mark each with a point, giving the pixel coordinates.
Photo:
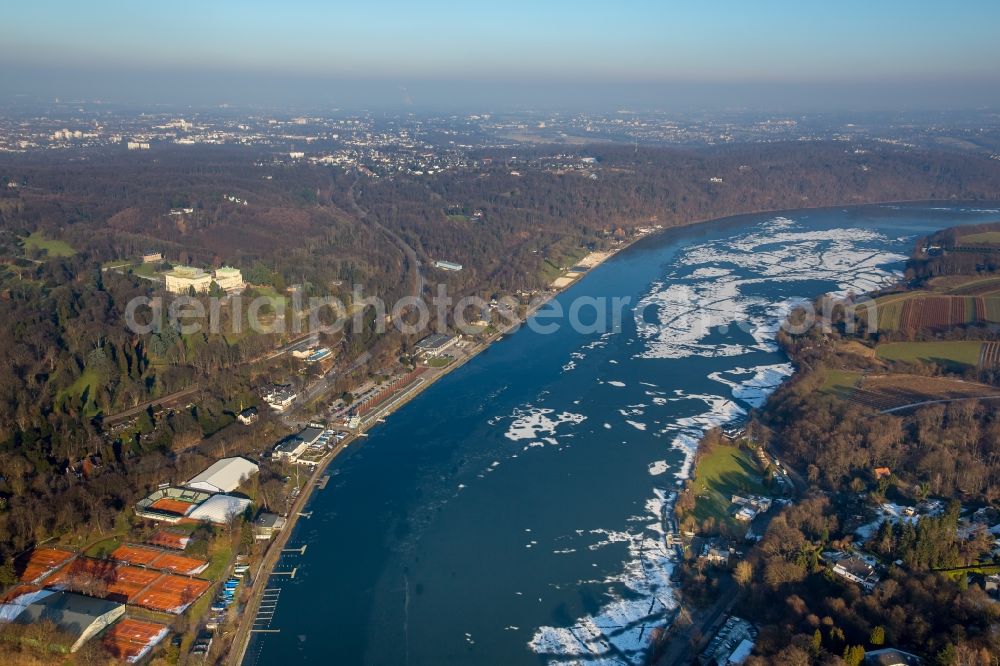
(474, 527)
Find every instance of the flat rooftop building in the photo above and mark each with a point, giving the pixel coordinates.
(292, 447)
(182, 279)
(436, 344)
(224, 475)
(229, 279)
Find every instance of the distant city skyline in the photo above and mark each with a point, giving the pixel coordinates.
(878, 55)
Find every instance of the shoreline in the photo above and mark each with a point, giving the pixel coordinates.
(265, 569)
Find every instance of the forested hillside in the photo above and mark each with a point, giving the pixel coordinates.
(896, 435)
(67, 360)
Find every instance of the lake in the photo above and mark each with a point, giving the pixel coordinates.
(512, 512)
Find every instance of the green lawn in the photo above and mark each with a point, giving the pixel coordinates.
(219, 559)
(983, 238)
(440, 361)
(146, 270)
(102, 549)
(840, 383)
(85, 384)
(957, 355)
(51, 246)
(725, 471)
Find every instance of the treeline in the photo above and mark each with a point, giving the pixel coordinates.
(807, 615)
(67, 359)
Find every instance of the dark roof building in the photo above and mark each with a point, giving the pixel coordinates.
(435, 344)
(891, 657)
(267, 525)
(79, 616)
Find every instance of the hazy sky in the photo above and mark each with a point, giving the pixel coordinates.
(876, 53)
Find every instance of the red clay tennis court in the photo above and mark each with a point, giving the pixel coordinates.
(172, 594)
(135, 555)
(169, 539)
(189, 566)
(117, 579)
(158, 559)
(39, 562)
(131, 639)
(170, 505)
(16, 591)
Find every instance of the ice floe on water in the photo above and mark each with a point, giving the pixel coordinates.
(619, 632)
(658, 467)
(539, 424)
(710, 288)
(762, 382)
(708, 304)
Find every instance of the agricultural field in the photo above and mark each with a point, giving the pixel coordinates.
(954, 356)
(965, 285)
(982, 238)
(884, 392)
(989, 357)
(890, 313)
(840, 383)
(921, 310)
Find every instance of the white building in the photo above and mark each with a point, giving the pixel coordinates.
(229, 279)
(224, 475)
(293, 447)
(220, 509)
(182, 279)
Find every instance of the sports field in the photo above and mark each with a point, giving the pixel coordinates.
(172, 594)
(721, 473)
(114, 578)
(135, 555)
(169, 539)
(130, 639)
(154, 558)
(39, 562)
(170, 505)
